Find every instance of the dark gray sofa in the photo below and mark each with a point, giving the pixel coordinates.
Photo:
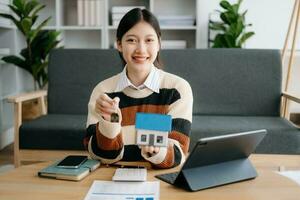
(234, 90)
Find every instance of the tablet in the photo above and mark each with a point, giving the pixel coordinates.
(224, 148)
(216, 161)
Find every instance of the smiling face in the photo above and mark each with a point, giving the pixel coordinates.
(139, 47)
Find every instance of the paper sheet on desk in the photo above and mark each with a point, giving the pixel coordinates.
(110, 190)
(293, 175)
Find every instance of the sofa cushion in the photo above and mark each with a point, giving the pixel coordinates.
(53, 131)
(66, 132)
(282, 138)
(73, 74)
(241, 82)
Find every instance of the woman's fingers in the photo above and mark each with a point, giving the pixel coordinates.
(100, 109)
(105, 97)
(116, 101)
(106, 105)
(107, 110)
(146, 149)
(103, 103)
(150, 149)
(156, 149)
(106, 116)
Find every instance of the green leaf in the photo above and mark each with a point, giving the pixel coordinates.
(228, 17)
(34, 67)
(51, 46)
(224, 18)
(37, 9)
(34, 18)
(235, 8)
(16, 11)
(230, 41)
(40, 68)
(26, 25)
(44, 23)
(43, 77)
(239, 3)
(7, 16)
(217, 26)
(232, 30)
(25, 54)
(238, 28)
(19, 4)
(12, 18)
(17, 61)
(43, 43)
(30, 6)
(219, 41)
(19, 26)
(245, 37)
(52, 42)
(226, 5)
(38, 29)
(31, 35)
(244, 14)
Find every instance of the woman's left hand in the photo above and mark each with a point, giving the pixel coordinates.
(150, 150)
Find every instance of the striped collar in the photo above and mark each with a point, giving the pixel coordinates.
(152, 81)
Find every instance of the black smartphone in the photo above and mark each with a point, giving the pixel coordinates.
(72, 161)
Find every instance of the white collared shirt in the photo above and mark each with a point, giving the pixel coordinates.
(152, 81)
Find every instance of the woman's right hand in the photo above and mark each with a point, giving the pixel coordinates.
(105, 106)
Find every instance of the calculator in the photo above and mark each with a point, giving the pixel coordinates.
(130, 174)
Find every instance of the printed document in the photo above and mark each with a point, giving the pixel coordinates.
(293, 175)
(110, 190)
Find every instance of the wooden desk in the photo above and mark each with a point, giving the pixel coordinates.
(23, 183)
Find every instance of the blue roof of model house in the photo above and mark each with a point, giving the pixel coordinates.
(156, 122)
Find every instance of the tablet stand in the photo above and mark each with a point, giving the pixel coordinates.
(199, 178)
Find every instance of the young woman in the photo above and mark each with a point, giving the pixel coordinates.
(140, 87)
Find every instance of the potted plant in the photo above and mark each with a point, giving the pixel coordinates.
(34, 57)
(231, 28)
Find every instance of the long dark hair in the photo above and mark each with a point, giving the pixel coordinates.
(133, 17)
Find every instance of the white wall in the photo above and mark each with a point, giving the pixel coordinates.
(294, 85)
(13, 80)
(270, 22)
(269, 18)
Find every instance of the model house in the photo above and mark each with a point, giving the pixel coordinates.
(152, 129)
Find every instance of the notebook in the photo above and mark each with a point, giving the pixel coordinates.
(53, 171)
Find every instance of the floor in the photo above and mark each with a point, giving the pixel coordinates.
(6, 158)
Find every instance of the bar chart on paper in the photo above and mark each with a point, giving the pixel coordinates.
(109, 190)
